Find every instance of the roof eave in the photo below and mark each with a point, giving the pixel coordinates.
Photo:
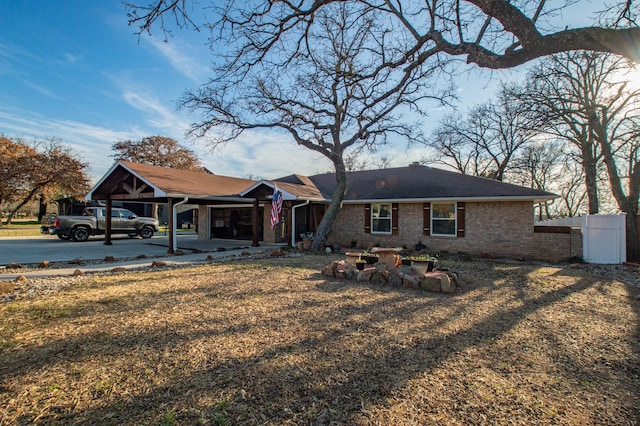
(437, 199)
(234, 198)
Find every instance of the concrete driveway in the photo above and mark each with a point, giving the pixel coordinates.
(29, 250)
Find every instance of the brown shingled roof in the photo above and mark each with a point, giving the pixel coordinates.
(419, 183)
(175, 181)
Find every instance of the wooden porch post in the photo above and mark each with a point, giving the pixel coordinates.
(171, 225)
(256, 227)
(107, 222)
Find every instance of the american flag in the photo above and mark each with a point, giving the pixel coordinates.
(276, 207)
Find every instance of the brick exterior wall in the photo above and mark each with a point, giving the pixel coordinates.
(203, 223)
(268, 234)
(555, 246)
(496, 228)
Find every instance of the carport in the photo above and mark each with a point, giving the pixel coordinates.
(134, 182)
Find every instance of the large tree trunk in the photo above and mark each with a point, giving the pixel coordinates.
(334, 207)
(626, 203)
(42, 207)
(590, 177)
(633, 237)
(28, 198)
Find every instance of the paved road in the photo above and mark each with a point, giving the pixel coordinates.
(29, 250)
(33, 250)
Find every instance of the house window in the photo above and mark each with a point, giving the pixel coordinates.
(381, 218)
(443, 219)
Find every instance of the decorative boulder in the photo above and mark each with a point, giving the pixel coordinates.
(409, 281)
(6, 288)
(395, 279)
(379, 277)
(365, 275)
(430, 283)
(330, 269)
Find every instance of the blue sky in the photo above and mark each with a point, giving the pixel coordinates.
(75, 70)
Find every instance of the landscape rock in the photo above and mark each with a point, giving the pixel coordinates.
(277, 252)
(6, 287)
(141, 256)
(118, 270)
(395, 279)
(209, 258)
(75, 261)
(446, 284)
(44, 264)
(109, 259)
(330, 269)
(442, 281)
(14, 266)
(409, 281)
(430, 283)
(365, 275)
(351, 273)
(78, 273)
(158, 263)
(379, 277)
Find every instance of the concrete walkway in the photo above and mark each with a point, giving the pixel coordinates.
(194, 251)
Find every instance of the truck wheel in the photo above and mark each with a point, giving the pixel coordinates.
(146, 232)
(80, 233)
(63, 237)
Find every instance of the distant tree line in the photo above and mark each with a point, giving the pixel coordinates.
(571, 128)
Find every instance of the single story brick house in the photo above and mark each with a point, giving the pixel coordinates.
(443, 210)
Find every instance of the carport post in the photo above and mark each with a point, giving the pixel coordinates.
(172, 229)
(254, 219)
(107, 222)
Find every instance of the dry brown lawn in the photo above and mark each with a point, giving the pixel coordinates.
(274, 342)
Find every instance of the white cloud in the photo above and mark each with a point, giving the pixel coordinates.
(41, 90)
(156, 113)
(92, 143)
(183, 57)
(70, 58)
(263, 155)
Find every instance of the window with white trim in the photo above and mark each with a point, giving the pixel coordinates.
(381, 218)
(443, 219)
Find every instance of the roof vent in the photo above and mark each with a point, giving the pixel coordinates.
(414, 164)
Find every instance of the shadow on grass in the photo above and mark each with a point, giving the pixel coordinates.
(326, 350)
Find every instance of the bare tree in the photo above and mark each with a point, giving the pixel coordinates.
(588, 104)
(278, 40)
(489, 33)
(487, 142)
(544, 165)
(617, 130)
(571, 188)
(328, 100)
(558, 89)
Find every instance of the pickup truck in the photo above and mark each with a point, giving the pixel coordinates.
(93, 222)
